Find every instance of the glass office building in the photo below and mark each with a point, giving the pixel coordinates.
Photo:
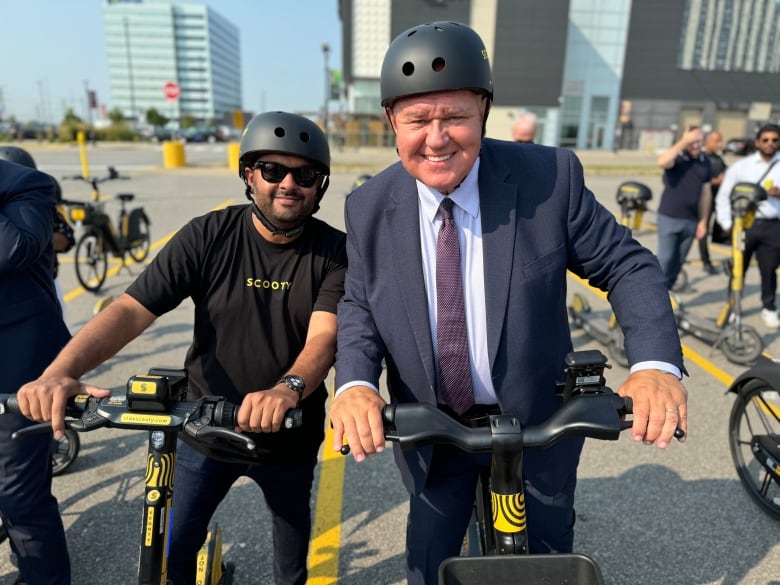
(599, 74)
(153, 42)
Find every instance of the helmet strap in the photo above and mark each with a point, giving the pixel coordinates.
(276, 231)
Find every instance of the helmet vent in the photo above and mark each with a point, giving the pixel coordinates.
(304, 136)
(438, 64)
(279, 132)
(408, 68)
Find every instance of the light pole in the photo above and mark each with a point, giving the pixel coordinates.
(325, 53)
(129, 69)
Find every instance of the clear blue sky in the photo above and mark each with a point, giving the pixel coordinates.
(49, 48)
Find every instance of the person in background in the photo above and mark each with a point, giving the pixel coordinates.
(62, 239)
(265, 279)
(684, 210)
(713, 145)
(524, 127)
(520, 217)
(763, 237)
(31, 333)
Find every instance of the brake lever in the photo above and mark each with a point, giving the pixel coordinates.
(205, 433)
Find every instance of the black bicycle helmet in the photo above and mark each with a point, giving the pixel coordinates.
(283, 133)
(17, 155)
(286, 134)
(438, 56)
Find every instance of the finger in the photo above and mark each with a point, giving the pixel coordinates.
(377, 429)
(655, 425)
(95, 391)
(670, 426)
(683, 423)
(639, 423)
(58, 403)
(338, 434)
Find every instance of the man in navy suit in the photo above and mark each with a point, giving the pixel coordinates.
(524, 217)
(31, 333)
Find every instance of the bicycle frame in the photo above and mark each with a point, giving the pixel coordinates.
(157, 403)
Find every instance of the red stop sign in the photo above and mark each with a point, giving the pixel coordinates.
(171, 90)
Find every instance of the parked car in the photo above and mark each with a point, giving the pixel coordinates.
(740, 146)
(202, 134)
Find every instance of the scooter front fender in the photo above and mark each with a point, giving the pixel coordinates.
(766, 372)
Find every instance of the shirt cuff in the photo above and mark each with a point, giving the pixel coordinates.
(348, 385)
(663, 366)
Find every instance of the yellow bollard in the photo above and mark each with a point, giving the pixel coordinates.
(173, 154)
(232, 155)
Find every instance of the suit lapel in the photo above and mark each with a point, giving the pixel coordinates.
(498, 203)
(407, 257)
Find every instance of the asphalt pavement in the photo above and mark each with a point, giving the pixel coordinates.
(648, 517)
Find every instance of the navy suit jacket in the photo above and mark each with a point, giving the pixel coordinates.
(31, 327)
(538, 221)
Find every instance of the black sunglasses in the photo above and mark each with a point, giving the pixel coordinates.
(274, 172)
(770, 140)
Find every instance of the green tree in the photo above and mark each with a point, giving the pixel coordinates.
(116, 116)
(155, 118)
(70, 118)
(188, 121)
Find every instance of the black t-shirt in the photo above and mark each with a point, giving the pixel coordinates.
(717, 166)
(682, 187)
(253, 302)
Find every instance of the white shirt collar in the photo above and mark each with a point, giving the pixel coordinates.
(466, 196)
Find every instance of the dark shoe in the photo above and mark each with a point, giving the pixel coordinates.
(20, 581)
(711, 269)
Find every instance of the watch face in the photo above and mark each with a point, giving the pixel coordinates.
(295, 382)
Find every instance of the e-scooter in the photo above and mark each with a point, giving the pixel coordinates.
(157, 403)
(740, 343)
(632, 197)
(754, 433)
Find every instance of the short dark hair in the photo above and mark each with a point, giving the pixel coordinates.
(768, 128)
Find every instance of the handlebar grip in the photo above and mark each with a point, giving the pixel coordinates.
(9, 404)
(226, 415)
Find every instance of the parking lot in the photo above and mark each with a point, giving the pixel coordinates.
(646, 516)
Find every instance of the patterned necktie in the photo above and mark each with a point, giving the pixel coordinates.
(451, 340)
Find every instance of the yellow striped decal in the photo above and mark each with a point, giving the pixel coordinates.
(159, 476)
(508, 512)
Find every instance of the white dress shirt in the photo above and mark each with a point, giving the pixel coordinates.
(750, 169)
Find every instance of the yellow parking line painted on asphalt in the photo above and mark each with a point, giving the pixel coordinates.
(326, 528)
(69, 296)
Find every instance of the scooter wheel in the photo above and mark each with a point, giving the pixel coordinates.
(742, 346)
(755, 419)
(65, 451)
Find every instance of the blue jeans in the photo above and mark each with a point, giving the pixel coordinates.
(201, 483)
(29, 510)
(675, 237)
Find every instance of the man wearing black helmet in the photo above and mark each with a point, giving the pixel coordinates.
(265, 279)
(31, 333)
(523, 217)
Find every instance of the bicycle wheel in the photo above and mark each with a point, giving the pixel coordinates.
(91, 261)
(139, 247)
(64, 451)
(742, 346)
(754, 436)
